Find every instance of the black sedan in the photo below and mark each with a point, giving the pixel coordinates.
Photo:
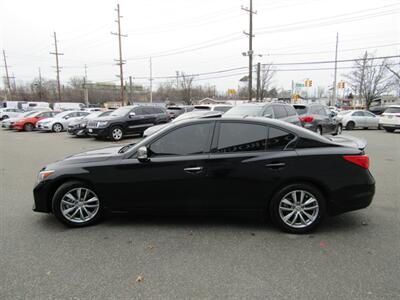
(255, 164)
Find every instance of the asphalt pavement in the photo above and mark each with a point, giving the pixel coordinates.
(352, 256)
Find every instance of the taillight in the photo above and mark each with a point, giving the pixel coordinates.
(360, 160)
(306, 119)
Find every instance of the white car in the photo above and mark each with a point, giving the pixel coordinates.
(8, 122)
(390, 119)
(61, 121)
(6, 113)
(351, 119)
(223, 108)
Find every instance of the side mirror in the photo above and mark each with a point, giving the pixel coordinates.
(268, 116)
(66, 117)
(131, 114)
(142, 154)
(333, 114)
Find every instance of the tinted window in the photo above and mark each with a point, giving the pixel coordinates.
(268, 112)
(279, 112)
(368, 114)
(148, 110)
(139, 111)
(191, 139)
(290, 110)
(301, 109)
(279, 139)
(358, 114)
(158, 110)
(241, 137)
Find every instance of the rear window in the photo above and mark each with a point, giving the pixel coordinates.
(301, 109)
(290, 110)
(174, 108)
(392, 110)
(199, 107)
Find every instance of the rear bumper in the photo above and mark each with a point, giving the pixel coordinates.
(352, 198)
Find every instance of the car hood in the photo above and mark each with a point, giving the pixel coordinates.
(89, 157)
(107, 118)
(79, 121)
(349, 141)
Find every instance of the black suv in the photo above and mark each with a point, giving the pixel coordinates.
(318, 118)
(274, 110)
(127, 120)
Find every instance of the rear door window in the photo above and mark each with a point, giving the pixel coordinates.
(301, 109)
(279, 112)
(148, 110)
(241, 137)
(290, 110)
(358, 114)
(279, 140)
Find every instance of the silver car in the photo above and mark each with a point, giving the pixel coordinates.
(351, 119)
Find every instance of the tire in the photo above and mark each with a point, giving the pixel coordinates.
(57, 127)
(116, 133)
(76, 213)
(5, 117)
(339, 129)
(389, 129)
(28, 127)
(350, 125)
(380, 127)
(365, 128)
(319, 130)
(304, 218)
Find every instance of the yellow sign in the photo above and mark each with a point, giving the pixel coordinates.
(231, 92)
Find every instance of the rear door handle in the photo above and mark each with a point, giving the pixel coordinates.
(276, 165)
(193, 170)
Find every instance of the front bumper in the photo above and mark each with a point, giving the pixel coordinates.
(77, 131)
(98, 132)
(43, 127)
(41, 198)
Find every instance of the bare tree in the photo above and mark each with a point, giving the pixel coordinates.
(397, 74)
(267, 74)
(186, 83)
(370, 79)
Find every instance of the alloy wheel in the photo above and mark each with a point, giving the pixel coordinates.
(117, 134)
(28, 127)
(298, 209)
(57, 127)
(79, 205)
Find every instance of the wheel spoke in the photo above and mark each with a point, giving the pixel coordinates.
(301, 196)
(68, 210)
(67, 202)
(94, 199)
(294, 196)
(85, 195)
(302, 219)
(310, 208)
(294, 219)
(286, 208)
(287, 217)
(287, 201)
(69, 195)
(78, 193)
(89, 214)
(81, 214)
(310, 217)
(75, 212)
(309, 201)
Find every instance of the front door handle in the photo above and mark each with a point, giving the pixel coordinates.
(276, 165)
(193, 170)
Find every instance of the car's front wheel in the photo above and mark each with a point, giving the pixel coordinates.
(116, 133)
(76, 204)
(389, 129)
(57, 127)
(298, 208)
(351, 125)
(28, 127)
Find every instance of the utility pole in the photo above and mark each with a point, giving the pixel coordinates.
(250, 52)
(151, 81)
(335, 76)
(362, 77)
(40, 85)
(130, 90)
(120, 61)
(258, 97)
(177, 79)
(56, 53)
(7, 76)
(85, 88)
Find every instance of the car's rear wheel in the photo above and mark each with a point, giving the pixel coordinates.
(350, 125)
(319, 130)
(116, 133)
(76, 204)
(4, 117)
(380, 127)
(389, 129)
(57, 127)
(298, 208)
(28, 127)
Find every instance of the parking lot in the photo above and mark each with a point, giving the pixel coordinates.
(352, 256)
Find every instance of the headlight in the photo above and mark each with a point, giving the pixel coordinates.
(102, 124)
(82, 125)
(44, 174)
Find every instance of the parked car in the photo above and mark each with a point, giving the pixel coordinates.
(68, 106)
(318, 118)
(29, 123)
(390, 119)
(127, 120)
(230, 164)
(9, 122)
(190, 115)
(6, 113)
(175, 111)
(274, 110)
(78, 127)
(351, 119)
(33, 105)
(213, 107)
(61, 121)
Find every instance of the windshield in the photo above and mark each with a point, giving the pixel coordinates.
(202, 108)
(96, 114)
(122, 111)
(27, 114)
(245, 110)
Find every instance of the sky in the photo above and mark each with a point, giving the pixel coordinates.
(194, 37)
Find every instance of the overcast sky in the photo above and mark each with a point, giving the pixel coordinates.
(287, 31)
